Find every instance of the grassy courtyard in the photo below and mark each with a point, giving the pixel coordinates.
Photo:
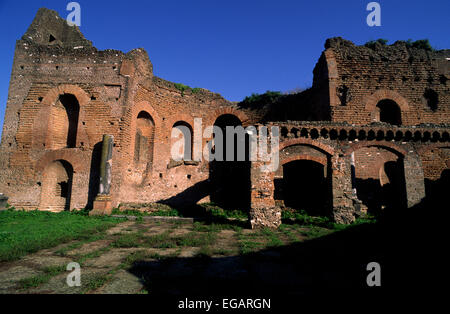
(149, 255)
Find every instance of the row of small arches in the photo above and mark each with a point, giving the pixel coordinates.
(343, 134)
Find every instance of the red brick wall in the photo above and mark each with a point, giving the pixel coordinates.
(359, 77)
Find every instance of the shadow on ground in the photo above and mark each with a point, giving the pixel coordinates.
(331, 265)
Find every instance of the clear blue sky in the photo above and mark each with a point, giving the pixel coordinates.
(233, 47)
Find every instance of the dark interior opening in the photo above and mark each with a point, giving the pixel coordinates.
(432, 99)
(390, 112)
(66, 186)
(230, 180)
(72, 107)
(305, 187)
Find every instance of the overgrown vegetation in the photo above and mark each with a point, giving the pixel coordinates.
(418, 44)
(300, 217)
(216, 211)
(260, 100)
(372, 43)
(23, 232)
(164, 212)
(183, 88)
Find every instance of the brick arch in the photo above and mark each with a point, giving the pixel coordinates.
(75, 159)
(386, 145)
(131, 118)
(228, 110)
(145, 106)
(182, 117)
(306, 141)
(323, 161)
(53, 94)
(371, 101)
(40, 128)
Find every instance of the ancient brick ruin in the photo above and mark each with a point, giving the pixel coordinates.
(371, 133)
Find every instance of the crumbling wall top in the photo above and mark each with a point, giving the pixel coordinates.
(398, 51)
(48, 28)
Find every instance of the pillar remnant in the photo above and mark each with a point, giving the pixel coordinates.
(414, 179)
(263, 212)
(3, 201)
(103, 201)
(343, 193)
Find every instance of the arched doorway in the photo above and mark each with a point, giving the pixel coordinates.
(379, 179)
(389, 112)
(230, 179)
(304, 186)
(57, 186)
(64, 122)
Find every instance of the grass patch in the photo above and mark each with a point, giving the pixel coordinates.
(201, 227)
(315, 232)
(22, 232)
(95, 282)
(302, 218)
(128, 240)
(196, 239)
(36, 281)
(286, 230)
(164, 212)
(272, 237)
(134, 257)
(249, 246)
(218, 212)
(162, 241)
(205, 251)
(95, 237)
(83, 258)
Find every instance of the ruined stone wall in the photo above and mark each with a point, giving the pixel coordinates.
(111, 89)
(332, 144)
(360, 77)
(65, 95)
(35, 119)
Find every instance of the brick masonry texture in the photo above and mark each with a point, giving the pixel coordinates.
(376, 120)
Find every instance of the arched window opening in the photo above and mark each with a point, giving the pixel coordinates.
(64, 122)
(144, 138)
(57, 186)
(389, 112)
(182, 140)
